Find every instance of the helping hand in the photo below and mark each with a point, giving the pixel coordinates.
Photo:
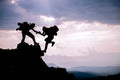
(38, 32)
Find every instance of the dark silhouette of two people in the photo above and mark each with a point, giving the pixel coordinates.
(25, 28)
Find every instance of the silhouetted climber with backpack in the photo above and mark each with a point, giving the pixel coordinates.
(50, 32)
(25, 28)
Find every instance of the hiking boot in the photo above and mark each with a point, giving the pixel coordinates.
(53, 44)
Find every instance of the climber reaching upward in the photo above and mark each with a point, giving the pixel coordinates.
(50, 32)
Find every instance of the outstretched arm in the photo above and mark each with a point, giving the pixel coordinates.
(35, 31)
(43, 34)
(38, 32)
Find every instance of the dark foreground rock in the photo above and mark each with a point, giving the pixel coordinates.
(25, 62)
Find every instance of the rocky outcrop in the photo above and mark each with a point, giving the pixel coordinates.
(25, 62)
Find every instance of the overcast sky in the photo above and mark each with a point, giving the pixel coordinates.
(89, 29)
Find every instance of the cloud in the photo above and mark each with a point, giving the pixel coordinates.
(105, 11)
(9, 39)
(91, 60)
(9, 14)
(102, 11)
(49, 19)
(85, 39)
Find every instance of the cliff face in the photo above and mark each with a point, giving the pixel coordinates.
(25, 62)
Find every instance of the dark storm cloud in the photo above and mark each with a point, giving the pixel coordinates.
(8, 15)
(105, 11)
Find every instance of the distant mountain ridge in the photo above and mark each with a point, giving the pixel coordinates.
(52, 65)
(92, 76)
(102, 70)
(83, 75)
